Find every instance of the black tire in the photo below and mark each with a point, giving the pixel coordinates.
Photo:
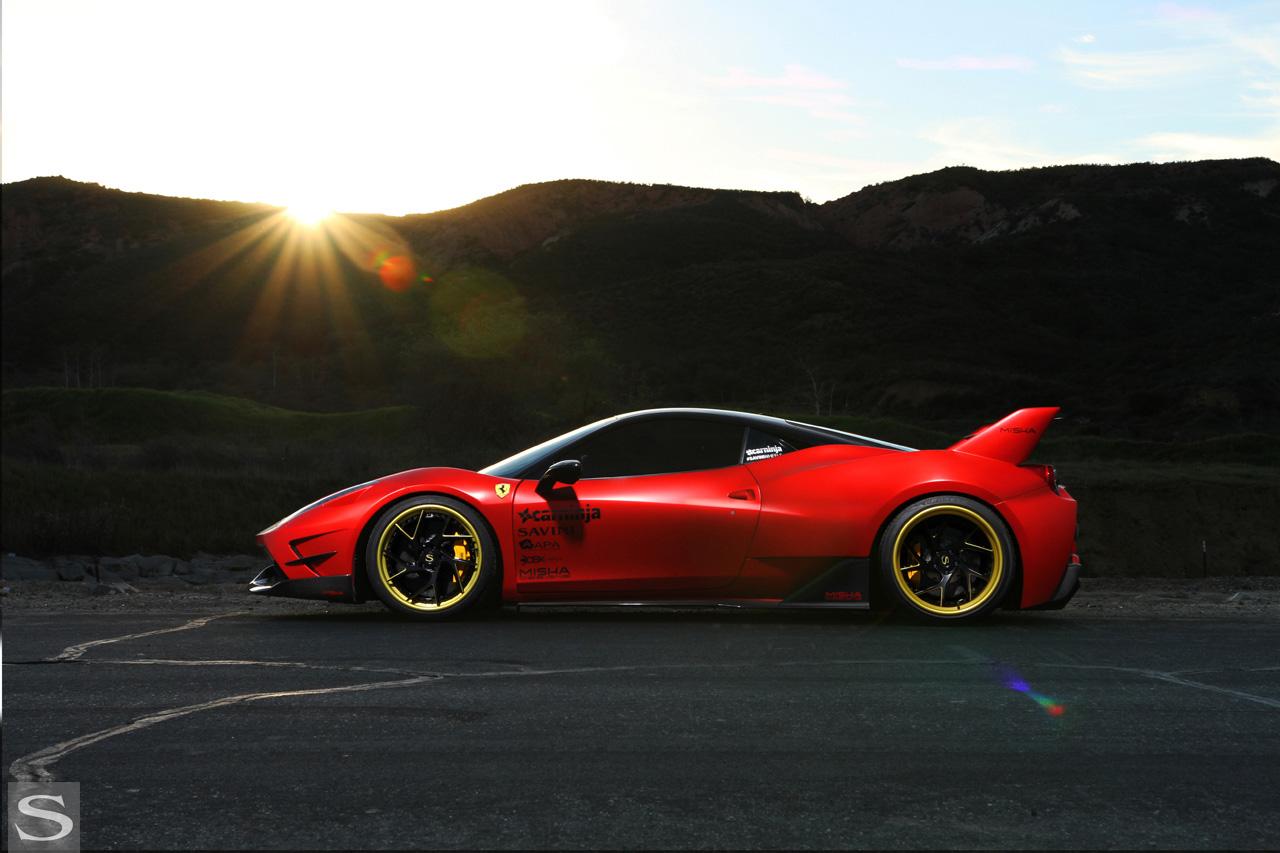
(447, 588)
(953, 541)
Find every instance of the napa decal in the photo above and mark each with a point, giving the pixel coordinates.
(584, 514)
(543, 545)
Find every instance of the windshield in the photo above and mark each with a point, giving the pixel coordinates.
(515, 466)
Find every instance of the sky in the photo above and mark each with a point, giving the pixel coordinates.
(400, 107)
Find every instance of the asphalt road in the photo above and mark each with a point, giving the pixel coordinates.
(349, 729)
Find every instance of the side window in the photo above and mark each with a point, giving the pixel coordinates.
(761, 445)
(659, 446)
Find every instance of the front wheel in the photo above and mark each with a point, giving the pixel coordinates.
(431, 557)
(947, 557)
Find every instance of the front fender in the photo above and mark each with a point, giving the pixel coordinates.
(325, 540)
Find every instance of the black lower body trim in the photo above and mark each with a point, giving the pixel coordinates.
(273, 581)
(847, 582)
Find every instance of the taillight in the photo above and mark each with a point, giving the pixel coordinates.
(1046, 473)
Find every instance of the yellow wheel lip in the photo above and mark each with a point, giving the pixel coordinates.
(384, 575)
(997, 560)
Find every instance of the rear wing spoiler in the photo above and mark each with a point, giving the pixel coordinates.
(1010, 439)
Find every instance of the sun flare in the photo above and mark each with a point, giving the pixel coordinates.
(308, 213)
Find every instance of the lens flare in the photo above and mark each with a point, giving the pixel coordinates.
(477, 313)
(1051, 706)
(397, 273)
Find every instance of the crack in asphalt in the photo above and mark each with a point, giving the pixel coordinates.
(75, 652)
(35, 766)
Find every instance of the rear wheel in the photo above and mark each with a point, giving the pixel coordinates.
(431, 557)
(947, 557)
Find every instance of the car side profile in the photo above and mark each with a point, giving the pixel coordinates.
(700, 507)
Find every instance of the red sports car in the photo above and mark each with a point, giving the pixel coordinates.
(699, 506)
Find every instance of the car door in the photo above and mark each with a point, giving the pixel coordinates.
(664, 509)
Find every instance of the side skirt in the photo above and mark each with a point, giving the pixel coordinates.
(746, 604)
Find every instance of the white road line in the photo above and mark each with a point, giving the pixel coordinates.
(75, 652)
(1186, 682)
(1169, 677)
(34, 767)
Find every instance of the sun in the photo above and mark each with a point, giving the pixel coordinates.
(308, 213)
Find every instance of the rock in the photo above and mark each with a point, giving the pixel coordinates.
(120, 567)
(241, 562)
(73, 568)
(22, 568)
(157, 566)
(202, 575)
(112, 588)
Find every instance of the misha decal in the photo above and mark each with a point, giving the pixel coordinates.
(584, 514)
(544, 573)
(502, 489)
(1017, 429)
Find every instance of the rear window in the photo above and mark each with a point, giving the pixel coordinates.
(762, 445)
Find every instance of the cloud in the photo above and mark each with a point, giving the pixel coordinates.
(793, 77)
(1204, 146)
(1087, 38)
(798, 87)
(1267, 98)
(1181, 12)
(1209, 40)
(969, 63)
(1133, 69)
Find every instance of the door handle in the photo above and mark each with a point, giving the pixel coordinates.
(743, 495)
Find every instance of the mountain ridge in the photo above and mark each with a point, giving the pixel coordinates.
(954, 203)
(1142, 297)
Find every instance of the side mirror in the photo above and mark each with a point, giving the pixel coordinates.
(565, 472)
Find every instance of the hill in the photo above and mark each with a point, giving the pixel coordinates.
(1142, 298)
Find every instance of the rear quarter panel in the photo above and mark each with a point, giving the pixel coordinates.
(832, 501)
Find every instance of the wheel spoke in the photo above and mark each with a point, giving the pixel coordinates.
(948, 560)
(429, 557)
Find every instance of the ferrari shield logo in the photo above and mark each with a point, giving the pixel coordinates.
(502, 489)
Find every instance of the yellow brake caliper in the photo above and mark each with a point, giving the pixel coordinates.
(460, 552)
(913, 576)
